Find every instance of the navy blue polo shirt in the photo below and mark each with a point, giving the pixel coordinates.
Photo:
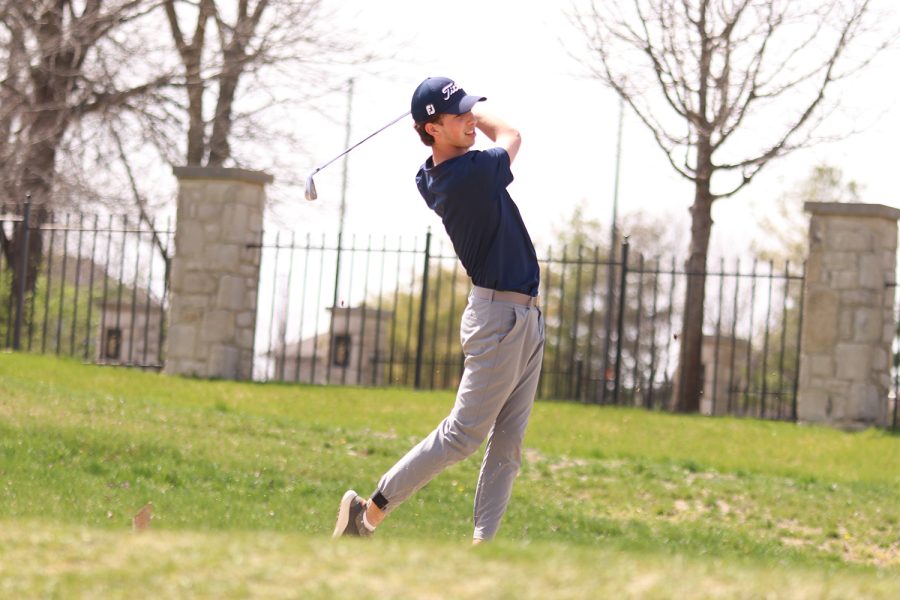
(469, 194)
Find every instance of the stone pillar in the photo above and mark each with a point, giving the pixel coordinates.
(215, 276)
(848, 315)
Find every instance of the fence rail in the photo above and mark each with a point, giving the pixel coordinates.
(83, 286)
(390, 316)
(374, 311)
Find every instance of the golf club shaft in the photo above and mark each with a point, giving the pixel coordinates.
(374, 133)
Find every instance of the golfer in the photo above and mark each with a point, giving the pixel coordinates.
(502, 330)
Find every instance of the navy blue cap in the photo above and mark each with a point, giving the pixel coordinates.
(438, 95)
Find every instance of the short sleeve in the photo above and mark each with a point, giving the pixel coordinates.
(493, 165)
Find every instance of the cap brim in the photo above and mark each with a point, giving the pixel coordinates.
(464, 105)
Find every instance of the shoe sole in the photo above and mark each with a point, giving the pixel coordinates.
(344, 513)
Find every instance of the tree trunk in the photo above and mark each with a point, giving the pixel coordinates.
(43, 130)
(196, 136)
(690, 380)
(37, 181)
(219, 148)
(191, 57)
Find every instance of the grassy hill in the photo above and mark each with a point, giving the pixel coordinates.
(244, 480)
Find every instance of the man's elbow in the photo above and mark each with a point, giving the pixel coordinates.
(511, 142)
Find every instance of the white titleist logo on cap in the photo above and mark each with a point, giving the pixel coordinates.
(449, 90)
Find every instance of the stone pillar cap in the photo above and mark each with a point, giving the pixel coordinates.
(223, 173)
(852, 209)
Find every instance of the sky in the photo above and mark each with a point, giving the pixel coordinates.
(515, 53)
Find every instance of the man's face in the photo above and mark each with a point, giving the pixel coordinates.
(455, 130)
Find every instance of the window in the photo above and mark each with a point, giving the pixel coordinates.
(112, 343)
(340, 353)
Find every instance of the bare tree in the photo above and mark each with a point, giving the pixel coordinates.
(52, 81)
(725, 87)
(256, 43)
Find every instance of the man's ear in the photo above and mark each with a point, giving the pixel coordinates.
(431, 129)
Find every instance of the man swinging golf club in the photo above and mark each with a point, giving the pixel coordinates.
(502, 330)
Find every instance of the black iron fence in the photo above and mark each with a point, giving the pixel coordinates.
(375, 311)
(894, 399)
(83, 285)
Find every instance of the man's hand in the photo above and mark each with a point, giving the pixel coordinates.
(499, 131)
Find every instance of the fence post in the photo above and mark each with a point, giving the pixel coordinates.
(620, 325)
(23, 274)
(794, 416)
(607, 325)
(420, 345)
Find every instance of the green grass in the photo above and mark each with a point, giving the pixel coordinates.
(244, 479)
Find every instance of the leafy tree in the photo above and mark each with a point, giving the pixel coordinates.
(73, 300)
(787, 244)
(448, 289)
(580, 352)
(787, 228)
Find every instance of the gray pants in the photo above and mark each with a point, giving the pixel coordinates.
(503, 343)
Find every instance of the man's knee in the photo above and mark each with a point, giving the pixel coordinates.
(462, 439)
(506, 447)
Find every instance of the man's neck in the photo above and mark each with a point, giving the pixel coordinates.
(441, 153)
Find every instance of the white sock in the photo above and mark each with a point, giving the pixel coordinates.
(366, 523)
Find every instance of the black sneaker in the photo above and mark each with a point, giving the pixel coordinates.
(350, 517)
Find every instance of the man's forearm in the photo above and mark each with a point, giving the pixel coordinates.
(492, 125)
(499, 131)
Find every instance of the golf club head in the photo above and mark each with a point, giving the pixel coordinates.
(310, 192)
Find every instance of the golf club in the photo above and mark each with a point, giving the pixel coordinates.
(310, 192)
